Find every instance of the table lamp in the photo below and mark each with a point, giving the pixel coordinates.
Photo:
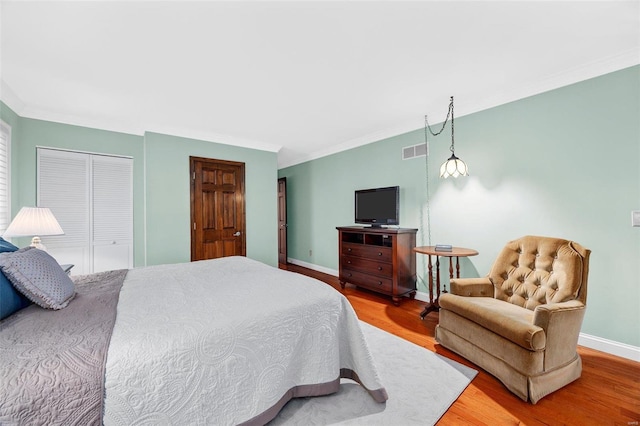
(34, 222)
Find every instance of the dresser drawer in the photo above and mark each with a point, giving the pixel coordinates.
(360, 264)
(372, 282)
(370, 252)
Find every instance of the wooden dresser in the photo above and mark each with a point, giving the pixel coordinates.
(379, 259)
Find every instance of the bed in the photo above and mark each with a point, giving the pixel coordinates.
(225, 341)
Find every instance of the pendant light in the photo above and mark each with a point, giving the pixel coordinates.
(453, 166)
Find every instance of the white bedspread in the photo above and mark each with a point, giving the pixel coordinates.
(219, 342)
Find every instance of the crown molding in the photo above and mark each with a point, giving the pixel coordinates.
(560, 79)
(10, 99)
(74, 120)
(214, 138)
(354, 143)
(526, 89)
(8, 96)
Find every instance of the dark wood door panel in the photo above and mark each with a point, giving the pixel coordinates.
(217, 209)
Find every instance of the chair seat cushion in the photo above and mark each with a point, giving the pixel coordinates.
(512, 322)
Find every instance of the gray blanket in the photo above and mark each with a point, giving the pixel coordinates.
(52, 362)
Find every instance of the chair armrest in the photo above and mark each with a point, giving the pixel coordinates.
(561, 323)
(472, 287)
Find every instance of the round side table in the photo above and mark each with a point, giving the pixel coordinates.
(456, 252)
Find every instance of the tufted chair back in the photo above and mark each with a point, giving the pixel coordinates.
(533, 271)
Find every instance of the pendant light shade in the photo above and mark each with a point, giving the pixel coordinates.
(453, 167)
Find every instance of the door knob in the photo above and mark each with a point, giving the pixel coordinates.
(237, 234)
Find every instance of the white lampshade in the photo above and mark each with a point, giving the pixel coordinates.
(453, 167)
(33, 222)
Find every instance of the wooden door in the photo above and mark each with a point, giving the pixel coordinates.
(282, 221)
(217, 208)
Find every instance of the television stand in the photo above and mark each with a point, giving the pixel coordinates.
(379, 259)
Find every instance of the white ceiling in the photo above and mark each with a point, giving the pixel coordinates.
(303, 79)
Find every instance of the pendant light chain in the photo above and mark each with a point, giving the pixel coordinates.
(451, 111)
(444, 123)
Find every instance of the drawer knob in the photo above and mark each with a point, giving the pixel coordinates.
(379, 282)
(349, 249)
(379, 268)
(349, 262)
(379, 253)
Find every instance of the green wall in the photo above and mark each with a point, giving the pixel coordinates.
(161, 183)
(35, 133)
(564, 163)
(168, 197)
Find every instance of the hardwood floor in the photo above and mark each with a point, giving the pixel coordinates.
(608, 393)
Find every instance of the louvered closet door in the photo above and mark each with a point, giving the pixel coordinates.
(92, 197)
(112, 213)
(63, 186)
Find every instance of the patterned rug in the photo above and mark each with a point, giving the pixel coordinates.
(421, 385)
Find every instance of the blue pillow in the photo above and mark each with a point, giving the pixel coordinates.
(6, 246)
(11, 300)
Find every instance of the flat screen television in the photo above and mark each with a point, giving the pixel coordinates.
(377, 206)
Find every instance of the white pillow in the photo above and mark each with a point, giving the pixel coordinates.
(38, 276)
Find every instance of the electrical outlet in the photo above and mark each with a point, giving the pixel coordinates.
(635, 218)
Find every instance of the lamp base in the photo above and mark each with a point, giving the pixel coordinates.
(37, 243)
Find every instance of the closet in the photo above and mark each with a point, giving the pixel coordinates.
(91, 196)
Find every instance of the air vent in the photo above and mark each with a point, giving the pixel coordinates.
(408, 152)
(414, 151)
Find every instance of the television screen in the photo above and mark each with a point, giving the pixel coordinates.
(377, 206)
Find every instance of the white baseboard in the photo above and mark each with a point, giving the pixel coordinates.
(312, 266)
(610, 346)
(422, 296)
(593, 342)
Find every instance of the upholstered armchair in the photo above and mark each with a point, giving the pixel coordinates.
(521, 322)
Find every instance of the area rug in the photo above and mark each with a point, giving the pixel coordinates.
(421, 385)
